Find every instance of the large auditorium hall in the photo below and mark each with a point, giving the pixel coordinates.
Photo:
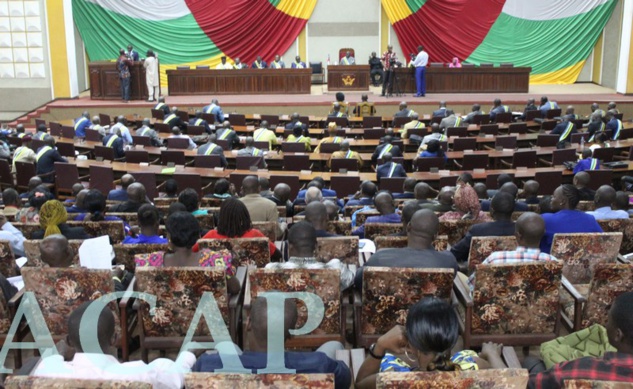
(316, 194)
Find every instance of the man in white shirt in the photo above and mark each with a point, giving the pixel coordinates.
(151, 74)
(176, 133)
(604, 199)
(13, 235)
(420, 62)
(161, 373)
(125, 132)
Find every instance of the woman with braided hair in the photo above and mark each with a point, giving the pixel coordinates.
(424, 344)
(235, 222)
(53, 218)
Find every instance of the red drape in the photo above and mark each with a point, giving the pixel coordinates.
(227, 22)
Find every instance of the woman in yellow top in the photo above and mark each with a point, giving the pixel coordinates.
(297, 136)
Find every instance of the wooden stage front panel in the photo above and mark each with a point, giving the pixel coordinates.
(244, 81)
(105, 84)
(467, 80)
(348, 78)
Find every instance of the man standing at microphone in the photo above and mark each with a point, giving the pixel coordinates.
(420, 62)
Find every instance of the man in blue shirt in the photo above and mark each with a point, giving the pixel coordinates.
(365, 196)
(498, 108)
(215, 110)
(322, 361)
(614, 124)
(384, 205)
(148, 221)
(81, 124)
(121, 194)
(546, 105)
(587, 162)
(199, 121)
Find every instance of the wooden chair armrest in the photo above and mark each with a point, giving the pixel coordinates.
(126, 299)
(208, 188)
(545, 162)
(621, 259)
(569, 287)
(85, 152)
(621, 157)
(510, 357)
(161, 186)
(47, 174)
(486, 147)
(119, 159)
(15, 301)
(462, 292)
(117, 182)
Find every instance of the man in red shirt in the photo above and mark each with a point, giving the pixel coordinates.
(612, 366)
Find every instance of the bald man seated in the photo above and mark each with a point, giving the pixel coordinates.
(121, 194)
(384, 204)
(581, 182)
(529, 229)
(281, 197)
(136, 197)
(530, 192)
(316, 214)
(605, 200)
(419, 252)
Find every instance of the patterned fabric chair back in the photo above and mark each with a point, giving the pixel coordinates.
(516, 298)
(490, 379)
(32, 382)
(581, 252)
(27, 228)
(372, 230)
(124, 253)
(325, 283)
(178, 291)
(591, 384)
(34, 257)
(455, 229)
(168, 200)
(389, 292)
(362, 216)
(207, 222)
(5, 316)
(8, 267)
(210, 202)
(114, 229)
(246, 251)
(625, 226)
(267, 228)
(59, 291)
(482, 246)
(385, 242)
(340, 227)
(130, 218)
(258, 381)
(586, 206)
(344, 248)
(349, 210)
(609, 281)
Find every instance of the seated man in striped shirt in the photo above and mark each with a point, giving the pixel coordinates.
(530, 228)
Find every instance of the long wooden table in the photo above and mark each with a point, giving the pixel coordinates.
(348, 78)
(105, 84)
(247, 81)
(467, 80)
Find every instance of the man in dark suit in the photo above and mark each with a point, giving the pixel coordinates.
(530, 106)
(501, 209)
(565, 129)
(173, 119)
(408, 189)
(259, 63)
(227, 133)
(136, 197)
(46, 157)
(199, 121)
(441, 112)
(131, 53)
(210, 148)
(389, 169)
(385, 148)
(403, 112)
(161, 106)
(115, 142)
(513, 190)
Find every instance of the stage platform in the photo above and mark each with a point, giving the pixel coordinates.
(318, 102)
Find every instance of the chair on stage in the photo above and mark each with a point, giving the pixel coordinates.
(318, 73)
(343, 51)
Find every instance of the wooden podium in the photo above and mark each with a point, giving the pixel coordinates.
(348, 78)
(105, 85)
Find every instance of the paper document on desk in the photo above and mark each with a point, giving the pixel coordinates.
(96, 253)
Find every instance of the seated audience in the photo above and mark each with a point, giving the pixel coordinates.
(176, 207)
(222, 189)
(13, 235)
(605, 200)
(46, 157)
(408, 189)
(298, 137)
(160, 373)
(530, 228)
(384, 148)
(530, 192)
(11, 202)
(259, 208)
(410, 208)
(176, 132)
(581, 180)
(511, 189)
(422, 193)
(183, 231)
(79, 206)
(384, 205)
(212, 148)
(281, 197)
(332, 130)
(566, 218)
(501, 209)
(235, 222)
(419, 252)
(481, 190)
(365, 196)
(121, 194)
(332, 210)
(256, 358)
(319, 183)
(622, 202)
(502, 179)
(264, 187)
(466, 204)
(431, 332)
(250, 150)
(95, 205)
(316, 214)
(34, 182)
(346, 153)
(37, 198)
(444, 202)
(433, 150)
(148, 222)
(302, 241)
(171, 189)
(115, 142)
(136, 196)
(53, 218)
(189, 197)
(76, 188)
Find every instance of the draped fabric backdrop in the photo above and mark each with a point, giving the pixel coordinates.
(191, 32)
(554, 37)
